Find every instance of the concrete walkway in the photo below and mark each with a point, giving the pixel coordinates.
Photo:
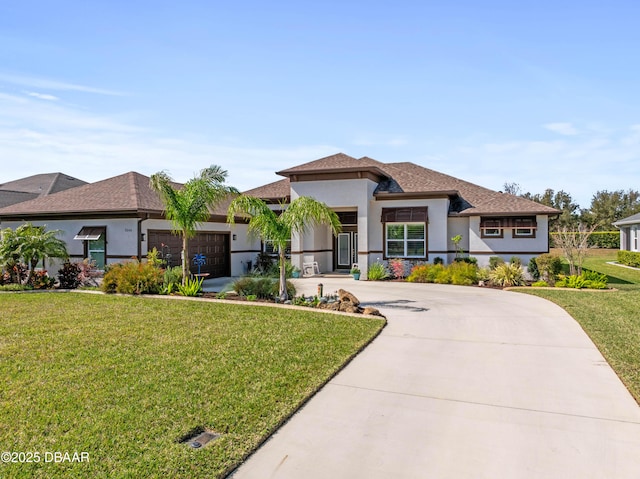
(462, 383)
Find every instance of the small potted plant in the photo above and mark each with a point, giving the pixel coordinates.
(355, 272)
(295, 272)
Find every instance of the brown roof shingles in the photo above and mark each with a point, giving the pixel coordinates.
(128, 192)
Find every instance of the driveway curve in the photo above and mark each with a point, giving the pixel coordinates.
(462, 383)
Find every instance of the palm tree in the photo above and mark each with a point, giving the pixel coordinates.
(302, 213)
(33, 244)
(189, 206)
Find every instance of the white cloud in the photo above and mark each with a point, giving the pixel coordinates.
(48, 84)
(562, 128)
(42, 137)
(41, 96)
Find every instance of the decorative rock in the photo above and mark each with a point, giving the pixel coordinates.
(372, 311)
(346, 296)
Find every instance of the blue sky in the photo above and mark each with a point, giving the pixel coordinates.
(544, 93)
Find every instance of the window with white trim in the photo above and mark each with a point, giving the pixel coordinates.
(406, 240)
(524, 228)
(492, 228)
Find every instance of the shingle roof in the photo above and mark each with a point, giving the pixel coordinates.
(273, 191)
(633, 219)
(411, 179)
(127, 192)
(31, 187)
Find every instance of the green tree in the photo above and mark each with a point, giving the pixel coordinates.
(608, 207)
(31, 244)
(560, 200)
(189, 205)
(302, 213)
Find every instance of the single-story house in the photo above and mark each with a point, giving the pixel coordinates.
(121, 218)
(629, 232)
(403, 210)
(387, 210)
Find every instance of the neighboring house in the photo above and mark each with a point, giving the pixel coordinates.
(387, 210)
(629, 232)
(35, 186)
(122, 218)
(403, 210)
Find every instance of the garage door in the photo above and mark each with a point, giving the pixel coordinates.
(214, 247)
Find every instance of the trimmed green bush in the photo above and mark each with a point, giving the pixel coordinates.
(540, 284)
(533, 269)
(549, 266)
(629, 258)
(133, 278)
(263, 288)
(460, 273)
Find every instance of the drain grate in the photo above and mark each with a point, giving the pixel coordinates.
(201, 439)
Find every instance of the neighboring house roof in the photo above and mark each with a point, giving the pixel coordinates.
(129, 193)
(630, 220)
(31, 187)
(408, 180)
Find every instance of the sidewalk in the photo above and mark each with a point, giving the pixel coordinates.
(463, 383)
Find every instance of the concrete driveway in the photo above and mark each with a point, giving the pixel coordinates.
(463, 383)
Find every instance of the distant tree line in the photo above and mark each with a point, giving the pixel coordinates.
(606, 207)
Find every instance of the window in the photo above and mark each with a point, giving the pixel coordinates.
(269, 248)
(491, 228)
(524, 228)
(406, 240)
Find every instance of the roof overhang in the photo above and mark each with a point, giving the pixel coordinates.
(385, 195)
(369, 172)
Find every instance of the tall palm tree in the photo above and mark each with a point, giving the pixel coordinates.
(302, 213)
(189, 206)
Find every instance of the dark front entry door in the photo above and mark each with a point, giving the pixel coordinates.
(345, 251)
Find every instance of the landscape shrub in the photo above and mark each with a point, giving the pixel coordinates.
(540, 284)
(604, 239)
(516, 260)
(507, 275)
(397, 268)
(495, 261)
(460, 273)
(41, 280)
(549, 266)
(377, 272)
(532, 268)
(438, 260)
(68, 275)
(588, 279)
(133, 278)
(629, 258)
(191, 287)
(425, 273)
(464, 274)
(263, 288)
(466, 259)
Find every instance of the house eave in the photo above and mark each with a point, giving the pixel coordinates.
(414, 195)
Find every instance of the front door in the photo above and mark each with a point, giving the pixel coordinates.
(346, 249)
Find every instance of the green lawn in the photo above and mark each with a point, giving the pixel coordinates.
(125, 378)
(611, 319)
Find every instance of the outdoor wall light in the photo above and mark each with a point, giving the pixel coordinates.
(235, 237)
(141, 236)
